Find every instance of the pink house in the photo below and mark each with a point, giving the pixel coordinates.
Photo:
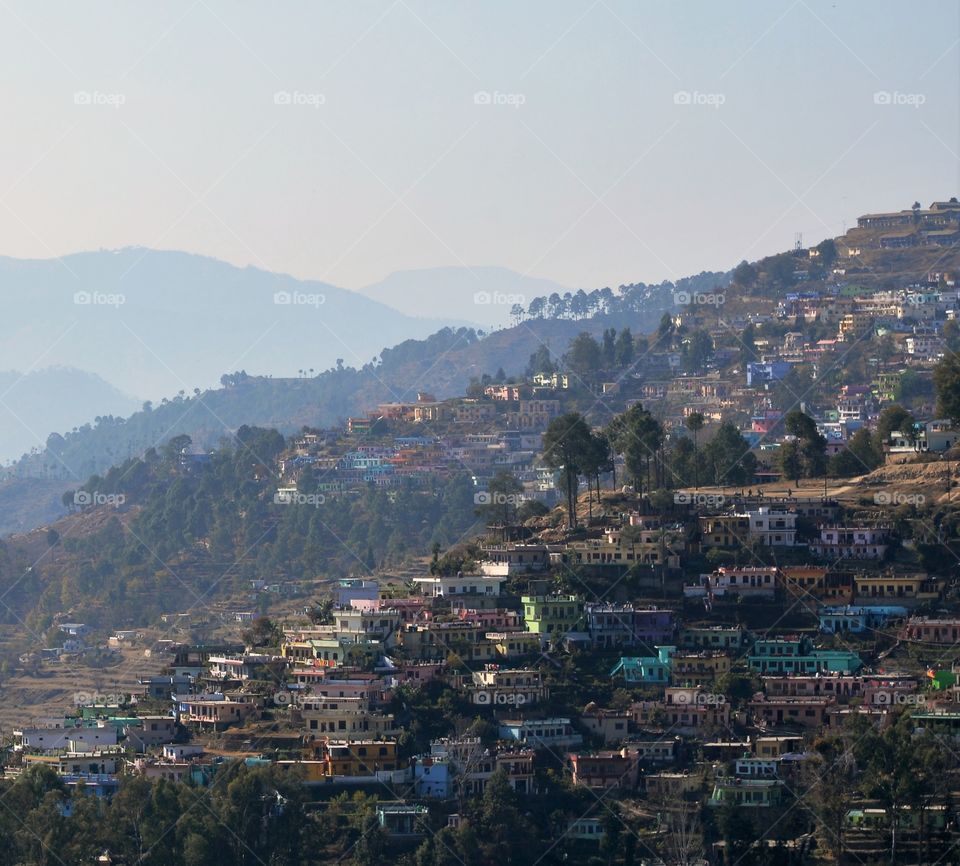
(497, 619)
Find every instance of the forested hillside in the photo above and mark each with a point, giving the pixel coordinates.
(177, 537)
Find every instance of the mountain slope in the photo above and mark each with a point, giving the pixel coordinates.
(443, 365)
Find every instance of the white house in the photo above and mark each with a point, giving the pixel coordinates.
(180, 751)
(850, 542)
(541, 733)
(462, 584)
(934, 436)
(65, 739)
(924, 346)
(74, 629)
(773, 528)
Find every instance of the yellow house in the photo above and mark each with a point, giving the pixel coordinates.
(698, 668)
(298, 650)
(357, 757)
(775, 747)
(673, 787)
(802, 580)
(724, 530)
(514, 644)
(346, 718)
(438, 641)
(855, 323)
(313, 771)
(333, 651)
(917, 585)
(644, 546)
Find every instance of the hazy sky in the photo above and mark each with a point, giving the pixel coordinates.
(611, 141)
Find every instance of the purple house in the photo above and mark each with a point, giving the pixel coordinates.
(623, 625)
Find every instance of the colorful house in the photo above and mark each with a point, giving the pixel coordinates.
(796, 656)
(553, 616)
(859, 618)
(654, 670)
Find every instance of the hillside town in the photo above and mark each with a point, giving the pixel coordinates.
(713, 692)
(675, 617)
(664, 618)
(480, 434)
(743, 358)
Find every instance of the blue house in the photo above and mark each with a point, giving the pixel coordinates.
(653, 670)
(858, 619)
(765, 372)
(432, 778)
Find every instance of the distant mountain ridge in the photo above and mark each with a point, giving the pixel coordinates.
(56, 398)
(154, 322)
(443, 363)
(483, 295)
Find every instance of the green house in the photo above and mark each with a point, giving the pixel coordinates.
(553, 616)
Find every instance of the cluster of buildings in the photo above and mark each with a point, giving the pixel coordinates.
(916, 345)
(687, 690)
(937, 225)
(499, 426)
(684, 731)
(334, 463)
(711, 683)
(510, 406)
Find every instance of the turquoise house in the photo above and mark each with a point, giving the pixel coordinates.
(797, 657)
(648, 670)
